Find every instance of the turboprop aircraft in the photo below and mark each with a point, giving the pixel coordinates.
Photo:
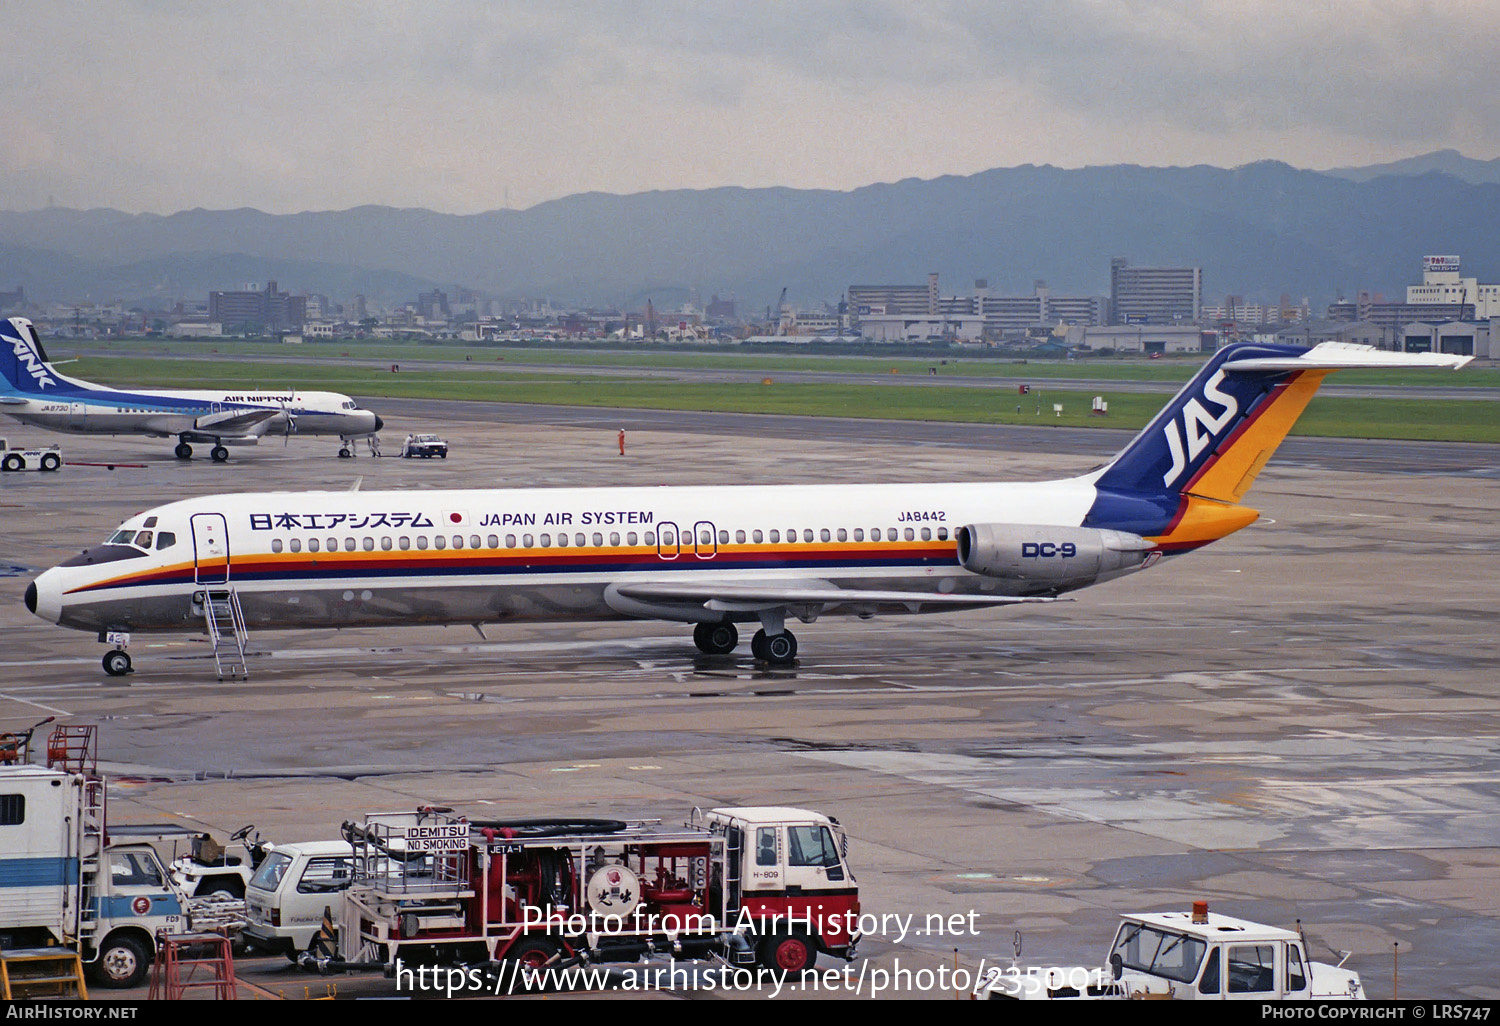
(713, 555)
(33, 391)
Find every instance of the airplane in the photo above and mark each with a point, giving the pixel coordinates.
(34, 391)
(714, 555)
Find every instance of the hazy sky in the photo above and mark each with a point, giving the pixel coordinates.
(468, 105)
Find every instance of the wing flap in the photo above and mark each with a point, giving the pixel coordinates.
(754, 596)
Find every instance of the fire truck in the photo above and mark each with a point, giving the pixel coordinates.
(764, 884)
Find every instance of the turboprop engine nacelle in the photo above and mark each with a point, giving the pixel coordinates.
(1056, 557)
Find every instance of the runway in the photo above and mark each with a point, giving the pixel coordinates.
(1298, 723)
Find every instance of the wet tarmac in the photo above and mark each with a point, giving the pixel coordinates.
(1298, 723)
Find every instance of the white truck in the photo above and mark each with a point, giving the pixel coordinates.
(68, 883)
(49, 458)
(1196, 955)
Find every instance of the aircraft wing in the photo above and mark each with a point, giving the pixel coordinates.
(235, 422)
(754, 596)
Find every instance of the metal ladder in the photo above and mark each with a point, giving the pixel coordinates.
(90, 855)
(226, 631)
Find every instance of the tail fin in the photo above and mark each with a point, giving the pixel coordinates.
(24, 369)
(1180, 480)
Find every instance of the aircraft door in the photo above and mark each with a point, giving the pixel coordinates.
(668, 545)
(210, 548)
(705, 543)
(77, 412)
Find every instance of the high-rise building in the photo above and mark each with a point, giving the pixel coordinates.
(1154, 295)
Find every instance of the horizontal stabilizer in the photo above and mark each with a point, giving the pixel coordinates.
(1345, 356)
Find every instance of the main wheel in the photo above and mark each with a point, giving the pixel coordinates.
(117, 662)
(183, 451)
(12, 461)
(345, 453)
(787, 953)
(123, 962)
(219, 453)
(776, 649)
(716, 638)
(51, 461)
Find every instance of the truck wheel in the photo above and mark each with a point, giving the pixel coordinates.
(51, 461)
(532, 954)
(12, 462)
(787, 953)
(123, 962)
(221, 888)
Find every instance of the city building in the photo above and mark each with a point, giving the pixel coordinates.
(255, 310)
(1443, 284)
(1154, 295)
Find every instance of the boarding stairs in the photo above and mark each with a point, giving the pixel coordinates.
(226, 631)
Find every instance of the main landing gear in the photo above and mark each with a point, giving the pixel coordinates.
(721, 638)
(184, 451)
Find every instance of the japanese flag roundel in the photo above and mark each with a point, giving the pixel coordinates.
(456, 519)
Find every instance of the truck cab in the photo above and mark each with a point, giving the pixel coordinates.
(793, 880)
(1195, 956)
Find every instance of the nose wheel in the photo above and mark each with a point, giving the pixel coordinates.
(117, 662)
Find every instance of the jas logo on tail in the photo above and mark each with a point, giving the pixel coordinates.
(31, 362)
(1199, 426)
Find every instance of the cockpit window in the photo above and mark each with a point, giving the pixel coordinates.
(143, 539)
(120, 538)
(348, 405)
(165, 540)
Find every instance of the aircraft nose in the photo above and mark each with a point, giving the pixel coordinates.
(31, 596)
(379, 424)
(44, 598)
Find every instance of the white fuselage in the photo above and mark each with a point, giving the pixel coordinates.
(306, 559)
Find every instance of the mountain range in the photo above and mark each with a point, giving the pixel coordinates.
(1260, 231)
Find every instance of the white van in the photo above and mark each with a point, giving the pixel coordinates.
(284, 900)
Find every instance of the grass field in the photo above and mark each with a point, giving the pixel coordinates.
(1416, 418)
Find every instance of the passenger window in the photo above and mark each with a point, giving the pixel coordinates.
(421, 541)
(368, 544)
(403, 543)
(824, 535)
(775, 537)
(630, 538)
(312, 545)
(668, 538)
(333, 544)
(910, 534)
(942, 534)
(598, 540)
(614, 538)
(439, 542)
(165, 540)
(473, 541)
(385, 544)
(843, 535)
(807, 534)
(295, 544)
(275, 544)
(510, 541)
(527, 541)
(724, 537)
(562, 540)
(859, 534)
(927, 534)
(757, 537)
(494, 541)
(874, 534)
(650, 537)
(458, 541)
(349, 544)
(324, 876)
(546, 541)
(739, 537)
(705, 538)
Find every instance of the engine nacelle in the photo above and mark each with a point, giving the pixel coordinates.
(1059, 558)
